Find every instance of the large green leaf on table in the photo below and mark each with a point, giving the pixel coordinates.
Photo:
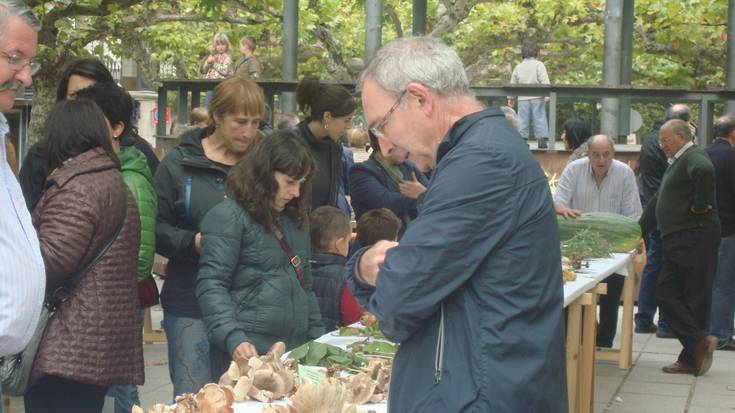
(313, 353)
(620, 233)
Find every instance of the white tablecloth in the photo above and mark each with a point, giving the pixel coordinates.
(598, 270)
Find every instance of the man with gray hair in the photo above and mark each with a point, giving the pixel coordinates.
(472, 293)
(686, 214)
(22, 276)
(600, 183)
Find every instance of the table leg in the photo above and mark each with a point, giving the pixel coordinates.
(626, 338)
(587, 354)
(574, 320)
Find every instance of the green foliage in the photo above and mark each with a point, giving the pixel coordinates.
(313, 353)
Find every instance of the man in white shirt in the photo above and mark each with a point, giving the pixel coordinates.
(531, 108)
(22, 276)
(600, 183)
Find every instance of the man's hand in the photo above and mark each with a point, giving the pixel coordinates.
(566, 212)
(413, 188)
(371, 260)
(244, 351)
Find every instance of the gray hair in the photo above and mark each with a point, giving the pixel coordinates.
(425, 60)
(10, 8)
(610, 141)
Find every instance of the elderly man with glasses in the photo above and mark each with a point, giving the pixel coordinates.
(472, 292)
(22, 277)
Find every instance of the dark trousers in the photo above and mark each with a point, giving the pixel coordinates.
(684, 286)
(609, 304)
(56, 395)
(219, 361)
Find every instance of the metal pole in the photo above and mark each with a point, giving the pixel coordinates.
(611, 67)
(419, 17)
(290, 51)
(730, 78)
(552, 121)
(373, 26)
(626, 64)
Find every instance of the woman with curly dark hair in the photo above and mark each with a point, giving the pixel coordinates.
(254, 284)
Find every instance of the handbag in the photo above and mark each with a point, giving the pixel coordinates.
(148, 292)
(15, 370)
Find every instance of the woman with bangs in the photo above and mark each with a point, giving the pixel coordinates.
(189, 182)
(254, 284)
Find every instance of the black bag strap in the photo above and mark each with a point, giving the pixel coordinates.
(294, 259)
(61, 293)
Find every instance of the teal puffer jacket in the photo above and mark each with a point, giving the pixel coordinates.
(246, 287)
(138, 177)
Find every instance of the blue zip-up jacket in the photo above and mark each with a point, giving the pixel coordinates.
(473, 292)
(188, 185)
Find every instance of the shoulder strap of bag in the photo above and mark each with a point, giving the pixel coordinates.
(294, 259)
(62, 292)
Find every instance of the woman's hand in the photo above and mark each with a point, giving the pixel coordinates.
(244, 351)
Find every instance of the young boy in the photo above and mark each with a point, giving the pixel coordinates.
(247, 66)
(376, 225)
(330, 239)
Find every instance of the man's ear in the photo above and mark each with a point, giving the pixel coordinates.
(423, 96)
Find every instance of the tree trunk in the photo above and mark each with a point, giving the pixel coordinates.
(44, 97)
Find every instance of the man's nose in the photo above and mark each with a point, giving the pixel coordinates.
(386, 147)
(24, 76)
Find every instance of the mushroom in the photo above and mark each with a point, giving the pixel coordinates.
(136, 409)
(269, 380)
(241, 389)
(186, 403)
(277, 349)
(361, 388)
(213, 398)
(328, 397)
(263, 396)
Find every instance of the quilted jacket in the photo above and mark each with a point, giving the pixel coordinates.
(95, 336)
(139, 179)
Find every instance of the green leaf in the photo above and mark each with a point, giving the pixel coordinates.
(317, 351)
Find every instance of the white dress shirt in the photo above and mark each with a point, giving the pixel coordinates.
(22, 275)
(618, 192)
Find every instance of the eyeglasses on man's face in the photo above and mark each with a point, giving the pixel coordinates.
(18, 62)
(377, 130)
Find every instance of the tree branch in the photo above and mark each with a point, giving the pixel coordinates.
(391, 12)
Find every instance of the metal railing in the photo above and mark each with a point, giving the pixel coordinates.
(189, 96)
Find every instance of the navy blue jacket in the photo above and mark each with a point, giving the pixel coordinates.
(372, 188)
(482, 260)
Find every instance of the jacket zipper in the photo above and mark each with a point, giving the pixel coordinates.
(439, 359)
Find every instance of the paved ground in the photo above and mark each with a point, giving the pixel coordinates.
(643, 388)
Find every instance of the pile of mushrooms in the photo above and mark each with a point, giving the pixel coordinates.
(329, 396)
(262, 378)
(212, 398)
(371, 386)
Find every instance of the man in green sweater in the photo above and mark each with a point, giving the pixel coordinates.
(686, 213)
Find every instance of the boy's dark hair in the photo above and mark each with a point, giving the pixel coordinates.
(115, 102)
(376, 225)
(326, 224)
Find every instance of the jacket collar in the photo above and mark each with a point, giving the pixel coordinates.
(94, 160)
(192, 151)
(457, 131)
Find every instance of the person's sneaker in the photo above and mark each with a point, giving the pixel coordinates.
(646, 329)
(728, 345)
(665, 334)
(542, 144)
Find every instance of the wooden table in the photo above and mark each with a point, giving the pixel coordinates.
(580, 299)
